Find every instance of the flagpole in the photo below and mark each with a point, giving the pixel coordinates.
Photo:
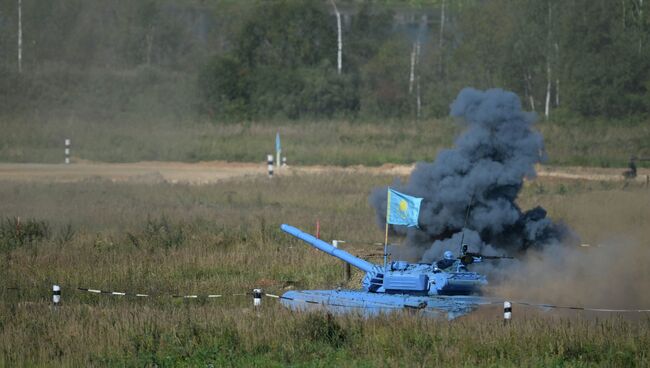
(386, 248)
(408, 211)
(386, 236)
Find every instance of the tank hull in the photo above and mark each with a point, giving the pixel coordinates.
(372, 304)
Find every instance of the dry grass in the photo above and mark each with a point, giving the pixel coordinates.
(317, 142)
(224, 238)
(607, 144)
(595, 143)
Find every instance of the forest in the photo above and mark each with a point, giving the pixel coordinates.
(228, 61)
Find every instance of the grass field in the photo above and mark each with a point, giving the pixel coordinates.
(589, 143)
(225, 238)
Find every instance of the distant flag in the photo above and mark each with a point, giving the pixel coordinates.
(278, 149)
(402, 209)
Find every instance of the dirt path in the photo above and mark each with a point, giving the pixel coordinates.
(211, 172)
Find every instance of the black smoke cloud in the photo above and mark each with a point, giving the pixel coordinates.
(486, 167)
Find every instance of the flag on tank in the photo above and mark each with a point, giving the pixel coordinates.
(402, 209)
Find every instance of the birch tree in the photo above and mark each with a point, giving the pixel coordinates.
(414, 77)
(441, 37)
(339, 57)
(557, 78)
(412, 73)
(549, 52)
(20, 37)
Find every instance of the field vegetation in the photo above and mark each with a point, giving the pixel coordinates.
(332, 142)
(224, 238)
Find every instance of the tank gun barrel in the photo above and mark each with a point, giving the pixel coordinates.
(488, 257)
(469, 257)
(327, 248)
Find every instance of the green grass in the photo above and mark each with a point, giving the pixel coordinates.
(306, 143)
(224, 238)
(596, 143)
(198, 335)
(327, 142)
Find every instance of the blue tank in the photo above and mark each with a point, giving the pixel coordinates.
(398, 285)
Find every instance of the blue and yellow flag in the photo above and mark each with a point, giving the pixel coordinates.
(402, 209)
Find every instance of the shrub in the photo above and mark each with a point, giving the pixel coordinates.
(16, 233)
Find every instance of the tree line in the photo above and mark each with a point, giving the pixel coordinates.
(282, 58)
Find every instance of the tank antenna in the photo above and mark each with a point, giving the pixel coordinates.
(462, 236)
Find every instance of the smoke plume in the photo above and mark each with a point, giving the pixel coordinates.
(484, 170)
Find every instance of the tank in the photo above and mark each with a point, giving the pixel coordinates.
(397, 285)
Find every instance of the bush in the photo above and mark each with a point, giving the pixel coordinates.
(160, 231)
(16, 233)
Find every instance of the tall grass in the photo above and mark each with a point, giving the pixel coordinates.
(595, 143)
(128, 334)
(306, 142)
(224, 238)
(324, 142)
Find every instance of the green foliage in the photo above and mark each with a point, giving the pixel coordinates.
(385, 82)
(614, 88)
(326, 94)
(281, 67)
(287, 34)
(224, 88)
(370, 29)
(16, 233)
(486, 44)
(155, 60)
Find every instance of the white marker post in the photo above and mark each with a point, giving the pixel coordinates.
(67, 151)
(284, 161)
(507, 312)
(56, 295)
(269, 165)
(257, 298)
(346, 266)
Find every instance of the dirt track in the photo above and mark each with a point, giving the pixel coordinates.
(210, 172)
